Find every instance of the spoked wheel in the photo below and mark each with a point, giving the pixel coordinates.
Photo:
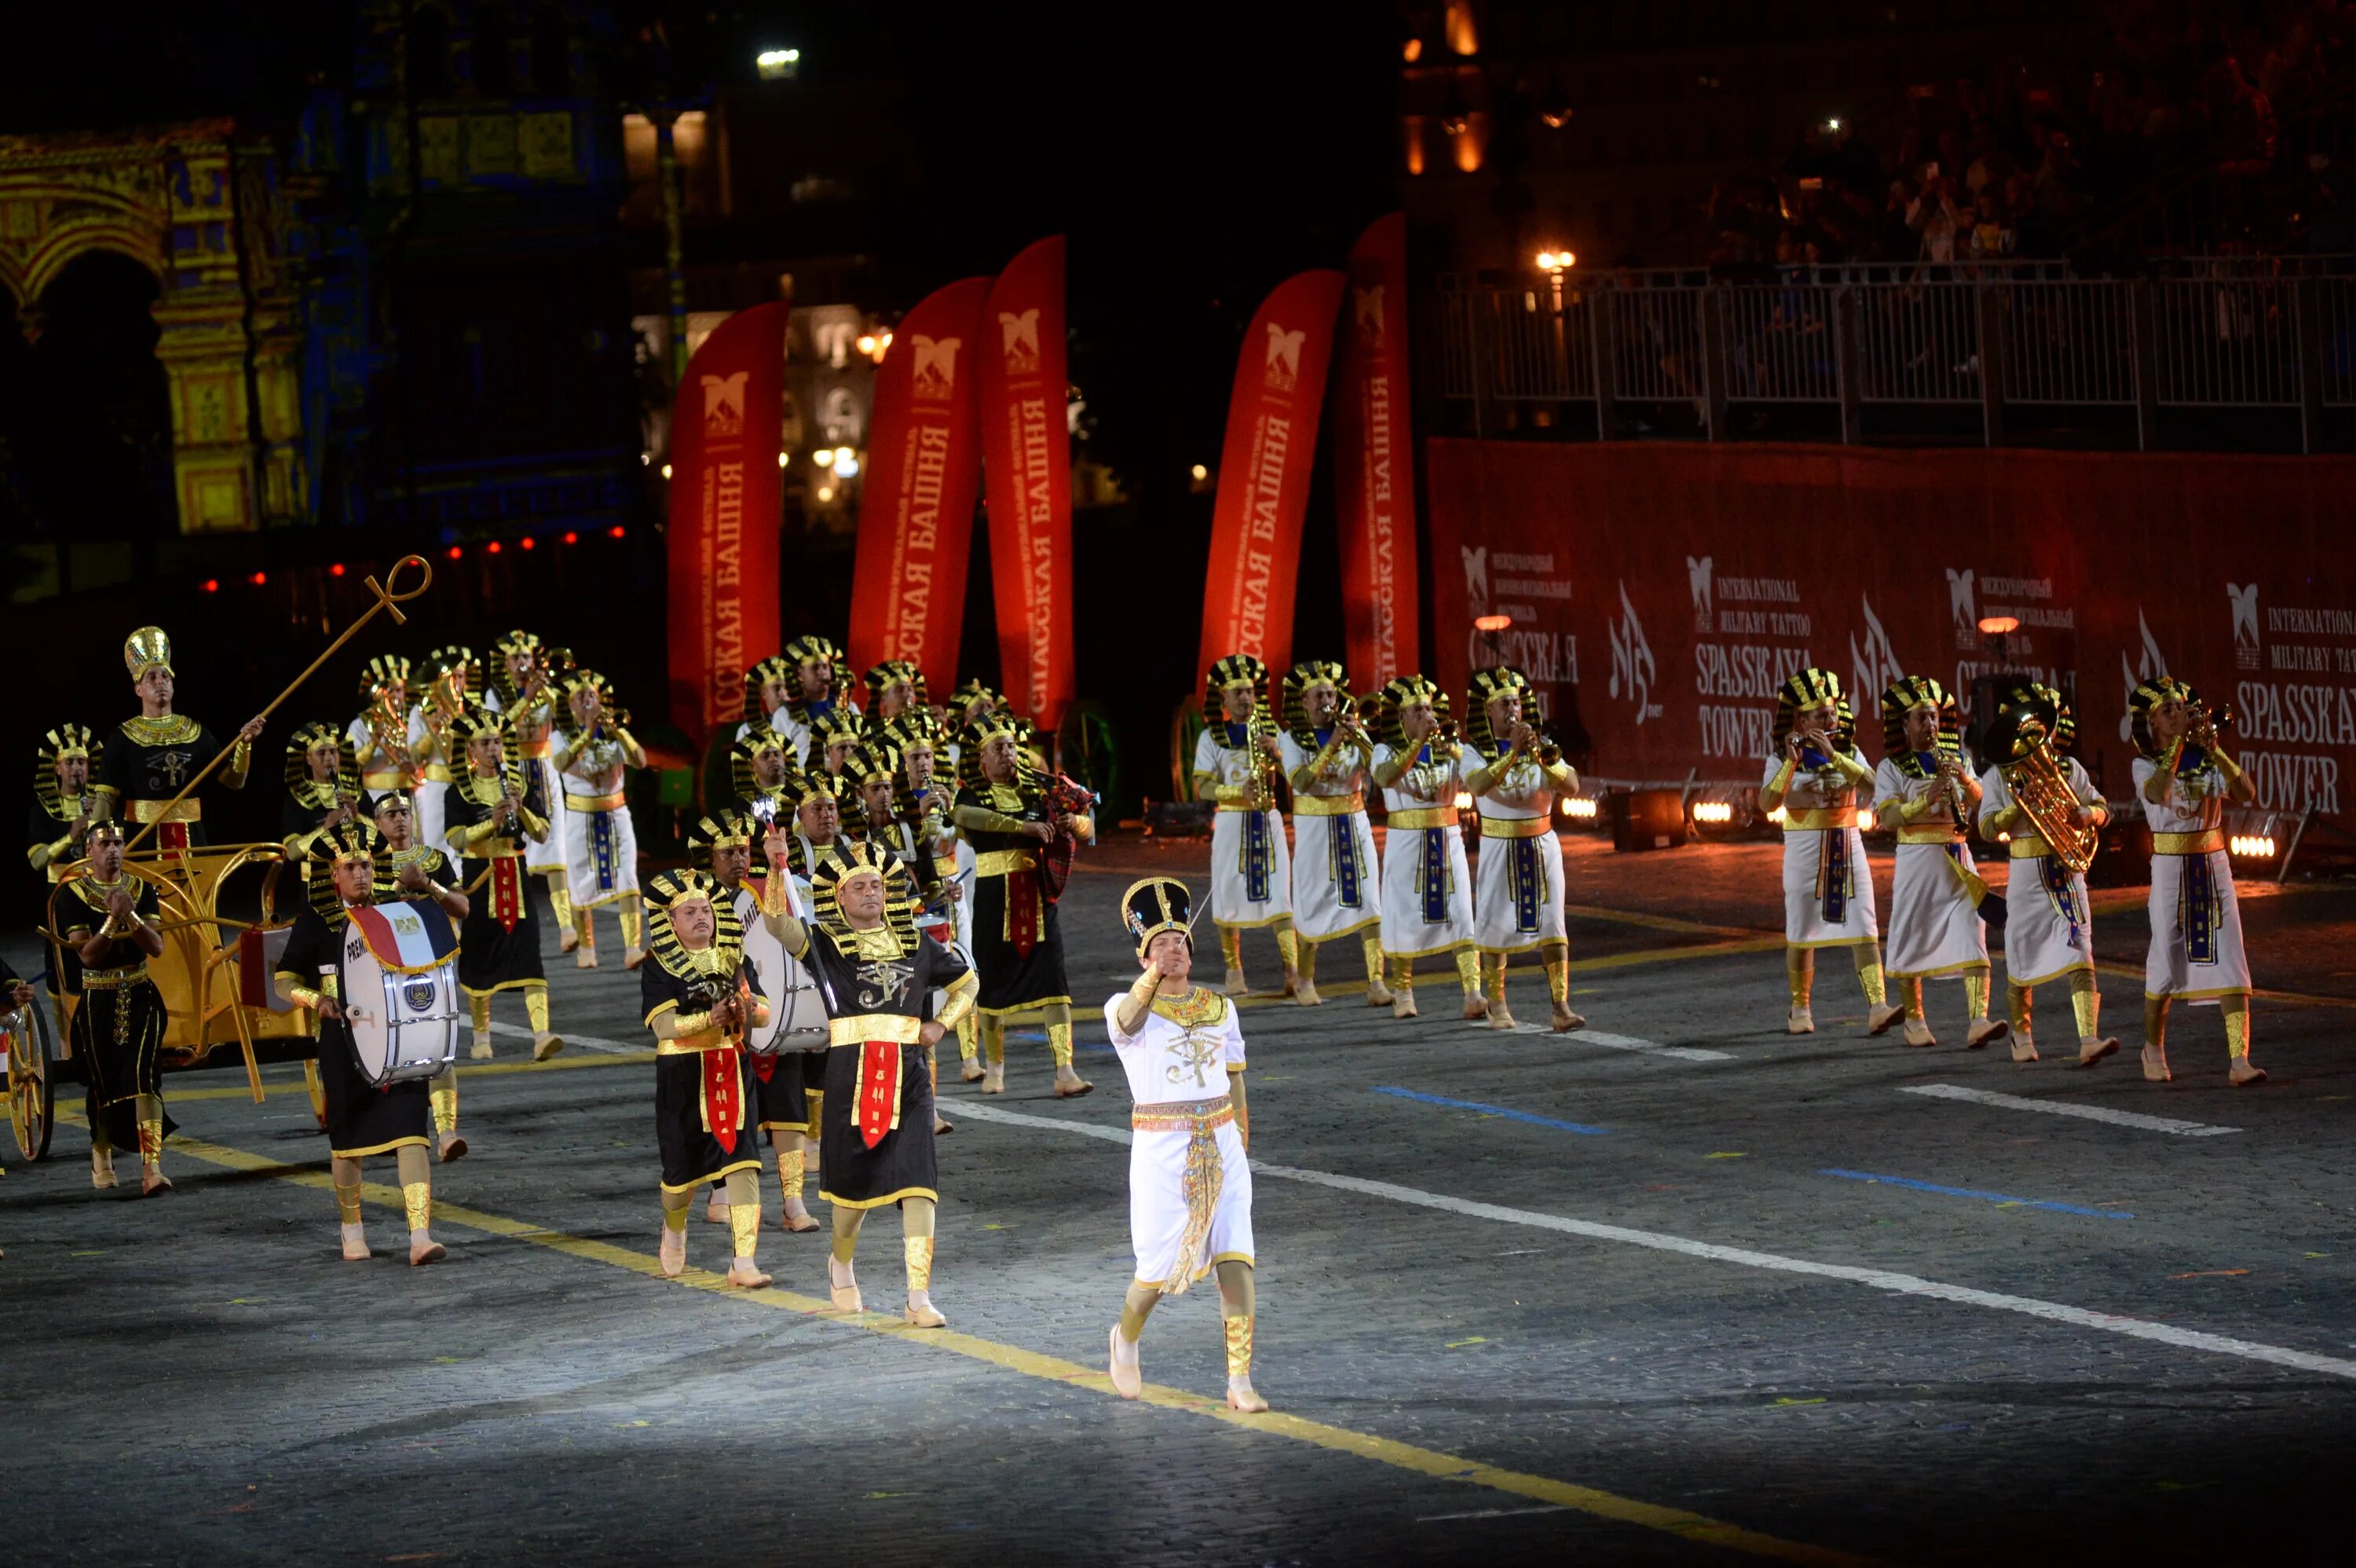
(32, 1083)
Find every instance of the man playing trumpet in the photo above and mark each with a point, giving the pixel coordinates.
(1236, 763)
(1336, 879)
(1922, 791)
(1814, 775)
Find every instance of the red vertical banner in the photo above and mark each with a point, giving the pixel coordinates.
(1029, 474)
(1264, 468)
(924, 466)
(725, 509)
(1373, 463)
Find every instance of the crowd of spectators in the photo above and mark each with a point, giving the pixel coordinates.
(2193, 125)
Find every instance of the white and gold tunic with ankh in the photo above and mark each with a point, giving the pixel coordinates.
(1189, 1184)
(2049, 921)
(1251, 869)
(1827, 886)
(2196, 917)
(1336, 877)
(1935, 924)
(1427, 882)
(601, 847)
(1518, 894)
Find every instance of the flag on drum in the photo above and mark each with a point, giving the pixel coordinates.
(402, 938)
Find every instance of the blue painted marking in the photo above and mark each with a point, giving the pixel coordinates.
(1510, 1114)
(1973, 1192)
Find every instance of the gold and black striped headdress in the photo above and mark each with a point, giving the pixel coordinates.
(1403, 693)
(844, 724)
(969, 693)
(65, 741)
(2051, 711)
(1487, 684)
(1298, 682)
(1154, 906)
(1904, 694)
(312, 795)
(2146, 696)
(443, 661)
(478, 718)
(874, 758)
(1813, 688)
(357, 840)
(516, 642)
(774, 667)
(669, 889)
(589, 680)
(809, 647)
(1235, 669)
(847, 857)
(745, 748)
(883, 677)
(722, 830)
(380, 672)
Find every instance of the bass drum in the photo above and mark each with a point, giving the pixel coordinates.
(403, 1026)
(796, 1010)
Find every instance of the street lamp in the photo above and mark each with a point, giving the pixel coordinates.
(1556, 262)
(778, 65)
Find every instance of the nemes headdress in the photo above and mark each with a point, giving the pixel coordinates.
(811, 646)
(847, 857)
(147, 649)
(457, 656)
(874, 758)
(2146, 696)
(844, 725)
(1156, 905)
(2052, 711)
(585, 679)
(1298, 682)
(341, 845)
(1813, 688)
(1904, 694)
(970, 692)
(1235, 669)
(890, 673)
(478, 718)
(741, 752)
(65, 741)
(997, 721)
(774, 668)
(1403, 693)
(1488, 684)
(380, 672)
(516, 642)
(724, 829)
(669, 889)
(299, 782)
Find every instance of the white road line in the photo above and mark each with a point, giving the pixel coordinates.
(572, 1040)
(1877, 1279)
(1629, 1042)
(2057, 1108)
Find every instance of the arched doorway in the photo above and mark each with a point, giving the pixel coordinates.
(93, 433)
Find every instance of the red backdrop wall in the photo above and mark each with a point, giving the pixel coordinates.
(1660, 592)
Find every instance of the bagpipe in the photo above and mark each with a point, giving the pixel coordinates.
(1063, 797)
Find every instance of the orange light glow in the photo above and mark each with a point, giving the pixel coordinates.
(527, 542)
(1779, 816)
(1492, 622)
(1580, 807)
(1713, 811)
(617, 530)
(456, 553)
(1472, 143)
(2253, 846)
(336, 569)
(1464, 800)
(259, 577)
(1999, 626)
(570, 537)
(493, 547)
(1412, 50)
(212, 584)
(1461, 36)
(1866, 820)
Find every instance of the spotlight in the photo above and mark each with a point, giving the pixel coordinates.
(783, 458)
(454, 552)
(1713, 811)
(1199, 473)
(665, 470)
(1578, 809)
(336, 569)
(1779, 816)
(527, 542)
(259, 577)
(1492, 622)
(1464, 800)
(1866, 820)
(1999, 626)
(825, 494)
(571, 537)
(2252, 847)
(493, 547)
(616, 531)
(212, 584)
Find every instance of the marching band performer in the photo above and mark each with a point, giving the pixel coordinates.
(322, 787)
(1827, 886)
(760, 768)
(877, 974)
(363, 1119)
(433, 754)
(1190, 1185)
(895, 686)
(1235, 762)
(592, 753)
(2183, 777)
(105, 922)
(497, 812)
(148, 760)
(419, 870)
(62, 793)
(925, 804)
(823, 678)
(379, 737)
(700, 995)
(780, 1097)
(966, 706)
(769, 685)
(1519, 901)
(873, 768)
(833, 740)
(1924, 789)
(2049, 923)
(1018, 940)
(523, 675)
(1427, 887)
(816, 823)
(1336, 878)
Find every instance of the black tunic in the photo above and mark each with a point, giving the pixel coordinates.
(42, 829)
(698, 1094)
(879, 1000)
(361, 1118)
(1011, 982)
(148, 762)
(299, 822)
(492, 957)
(118, 1026)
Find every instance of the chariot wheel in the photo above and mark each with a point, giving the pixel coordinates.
(32, 1082)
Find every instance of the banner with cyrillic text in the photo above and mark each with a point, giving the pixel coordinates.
(1374, 463)
(1028, 473)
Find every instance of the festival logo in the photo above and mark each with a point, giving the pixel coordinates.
(2246, 650)
(1873, 664)
(1284, 357)
(935, 376)
(1019, 335)
(723, 404)
(1697, 578)
(1959, 605)
(2150, 664)
(1633, 669)
(1367, 312)
(1476, 577)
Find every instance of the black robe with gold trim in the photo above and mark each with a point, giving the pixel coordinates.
(704, 1087)
(149, 760)
(1006, 891)
(118, 1025)
(361, 1118)
(493, 954)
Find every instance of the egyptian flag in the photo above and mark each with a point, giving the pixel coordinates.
(406, 938)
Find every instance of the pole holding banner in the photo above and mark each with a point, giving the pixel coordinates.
(725, 505)
(924, 466)
(1373, 463)
(1029, 475)
(1264, 471)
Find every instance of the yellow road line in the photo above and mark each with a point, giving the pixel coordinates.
(1656, 921)
(1744, 943)
(1680, 1522)
(274, 1088)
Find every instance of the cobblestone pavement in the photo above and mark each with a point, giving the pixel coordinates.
(1683, 1289)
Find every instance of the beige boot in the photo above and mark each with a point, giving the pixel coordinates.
(1918, 1033)
(1802, 1021)
(1500, 1015)
(2155, 1064)
(1128, 1376)
(2023, 1047)
(1403, 1004)
(1305, 994)
(545, 1045)
(481, 1049)
(356, 1247)
(2093, 1048)
(1985, 1031)
(1565, 1020)
(1235, 984)
(1880, 1015)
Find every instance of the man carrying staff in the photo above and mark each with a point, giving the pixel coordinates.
(1426, 886)
(1190, 1186)
(496, 813)
(1336, 878)
(1519, 902)
(106, 929)
(1235, 764)
(1923, 790)
(1814, 775)
(1018, 940)
(362, 1118)
(420, 872)
(150, 759)
(877, 974)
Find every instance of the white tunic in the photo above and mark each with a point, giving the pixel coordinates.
(1424, 869)
(1934, 928)
(2048, 922)
(431, 796)
(1827, 886)
(601, 848)
(1519, 899)
(2196, 918)
(1178, 1063)
(1336, 876)
(545, 854)
(1251, 869)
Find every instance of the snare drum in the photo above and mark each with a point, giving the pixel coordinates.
(403, 1026)
(796, 1010)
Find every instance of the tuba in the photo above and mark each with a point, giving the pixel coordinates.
(2024, 756)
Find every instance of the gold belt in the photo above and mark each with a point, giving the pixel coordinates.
(587, 803)
(1515, 827)
(2200, 843)
(1417, 818)
(146, 811)
(1181, 1115)
(438, 773)
(1329, 804)
(1929, 835)
(695, 1044)
(2028, 845)
(1004, 862)
(864, 1026)
(1819, 819)
(1227, 805)
(108, 979)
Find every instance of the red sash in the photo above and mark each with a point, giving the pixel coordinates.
(171, 836)
(1022, 909)
(877, 1108)
(507, 890)
(723, 1096)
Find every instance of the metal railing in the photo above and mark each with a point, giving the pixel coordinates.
(2215, 334)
